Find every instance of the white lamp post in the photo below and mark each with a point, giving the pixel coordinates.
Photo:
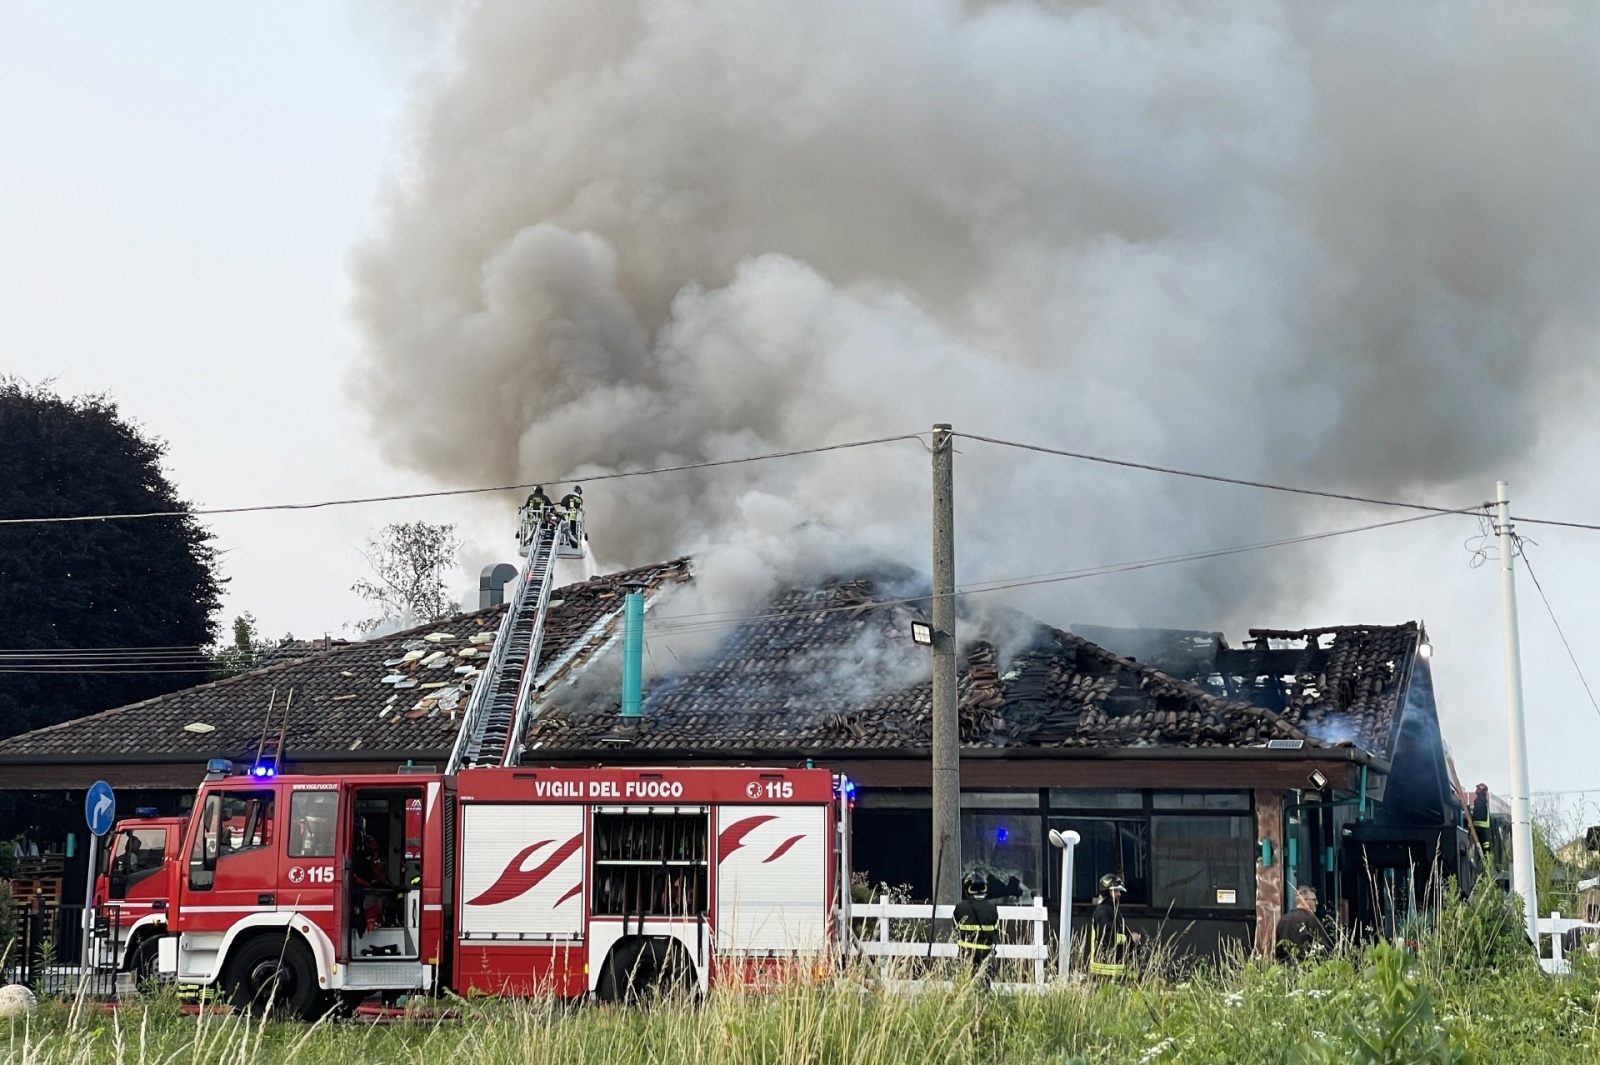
(1067, 841)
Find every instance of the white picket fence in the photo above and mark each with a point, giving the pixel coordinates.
(1555, 926)
(1024, 934)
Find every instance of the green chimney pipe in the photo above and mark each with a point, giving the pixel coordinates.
(632, 654)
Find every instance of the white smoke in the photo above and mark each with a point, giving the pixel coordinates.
(1347, 244)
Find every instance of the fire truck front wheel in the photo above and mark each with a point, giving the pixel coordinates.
(142, 959)
(277, 975)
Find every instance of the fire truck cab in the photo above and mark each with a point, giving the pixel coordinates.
(305, 888)
(517, 881)
(133, 889)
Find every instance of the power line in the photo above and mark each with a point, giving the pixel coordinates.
(712, 620)
(1219, 478)
(711, 464)
(1522, 551)
(57, 653)
(1268, 485)
(109, 672)
(142, 647)
(213, 511)
(1551, 521)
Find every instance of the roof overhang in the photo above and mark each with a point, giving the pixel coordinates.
(200, 758)
(1351, 755)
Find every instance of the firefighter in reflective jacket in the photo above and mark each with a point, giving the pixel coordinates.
(1110, 939)
(572, 512)
(536, 509)
(977, 923)
(1482, 828)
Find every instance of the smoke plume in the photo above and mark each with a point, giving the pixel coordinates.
(1350, 244)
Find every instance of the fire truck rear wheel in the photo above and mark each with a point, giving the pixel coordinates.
(641, 970)
(275, 974)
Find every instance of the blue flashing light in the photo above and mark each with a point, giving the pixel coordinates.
(261, 772)
(1001, 835)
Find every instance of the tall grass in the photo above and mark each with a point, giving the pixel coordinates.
(1468, 993)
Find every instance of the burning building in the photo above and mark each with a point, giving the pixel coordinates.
(1212, 778)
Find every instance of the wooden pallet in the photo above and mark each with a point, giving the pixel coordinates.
(25, 889)
(53, 865)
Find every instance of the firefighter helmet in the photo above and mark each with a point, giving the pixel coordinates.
(1112, 882)
(975, 884)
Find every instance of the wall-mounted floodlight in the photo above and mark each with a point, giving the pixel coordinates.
(1426, 650)
(1318, 781)
(922, 633)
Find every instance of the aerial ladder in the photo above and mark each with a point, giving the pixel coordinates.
(497, 713)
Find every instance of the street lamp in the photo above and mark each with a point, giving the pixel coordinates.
(1067, 841)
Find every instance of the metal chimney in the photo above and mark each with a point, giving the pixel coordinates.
(492, 584)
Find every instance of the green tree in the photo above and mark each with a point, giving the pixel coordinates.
(247, 650)
(411, 561)
(93, 585)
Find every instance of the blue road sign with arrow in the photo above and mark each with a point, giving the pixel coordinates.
(100, 808)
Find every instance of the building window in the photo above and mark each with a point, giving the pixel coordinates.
(1203, 862)
(894, 799)
(1118, 845)
(1006, 849)
(1095, 799)
(1200, 800)
(1000, 800)
(1183, 850)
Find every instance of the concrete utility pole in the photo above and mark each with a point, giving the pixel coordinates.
(946, 727)
(1522, 881)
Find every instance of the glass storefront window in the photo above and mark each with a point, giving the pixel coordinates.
(894, 798)
(1006, 849)
(1203, 862)
(1095, 799)
(1201, 800)
(1109, 845)
(1000, 800)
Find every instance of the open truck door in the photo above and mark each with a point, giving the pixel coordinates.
(378, 918)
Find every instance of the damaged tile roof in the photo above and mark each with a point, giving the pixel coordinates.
(819, 669)
(834, 669)
(395, 696)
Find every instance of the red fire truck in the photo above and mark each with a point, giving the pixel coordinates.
(132, 891)
(312, 891)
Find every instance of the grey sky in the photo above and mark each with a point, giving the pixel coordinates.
(181, 188)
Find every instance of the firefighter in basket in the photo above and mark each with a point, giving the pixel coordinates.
(535, 512)
(1111, 941)
(977, 922)
(571, 513)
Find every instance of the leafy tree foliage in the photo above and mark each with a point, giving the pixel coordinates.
(410, 561)
(247, 649)
(98, 584)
